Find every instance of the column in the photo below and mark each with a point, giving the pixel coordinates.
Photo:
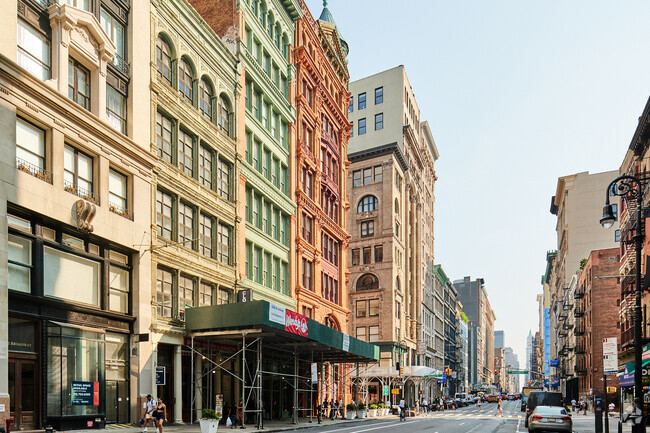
(178, 386)
(198, 394)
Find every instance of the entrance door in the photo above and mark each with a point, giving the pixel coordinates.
(22, 393)
(116, 402)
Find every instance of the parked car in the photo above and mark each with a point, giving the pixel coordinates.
(542, 398)
(550, 418)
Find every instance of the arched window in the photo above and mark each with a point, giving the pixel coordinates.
(163, 60)
(367, 282)
(185, 80)
(330, 322)
(367, 204)
(278, 34)
(269, 25)
(205, 99)
(223, 115)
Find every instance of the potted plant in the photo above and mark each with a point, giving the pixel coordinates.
(209, 421)
(351, 411)
(361, 410)
(372, 410)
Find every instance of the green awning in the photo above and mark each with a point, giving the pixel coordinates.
(282, 328)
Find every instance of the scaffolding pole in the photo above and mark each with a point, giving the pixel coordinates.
(295, 385)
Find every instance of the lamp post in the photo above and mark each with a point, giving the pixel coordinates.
(630, 186)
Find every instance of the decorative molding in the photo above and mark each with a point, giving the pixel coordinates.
(85, 213)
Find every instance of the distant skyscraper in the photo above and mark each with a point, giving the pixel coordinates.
(499, 340)
(529, 350)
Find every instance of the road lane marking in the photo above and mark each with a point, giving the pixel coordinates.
(518, 424)
(461, 423)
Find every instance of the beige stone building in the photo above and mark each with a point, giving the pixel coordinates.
(75, 284)
(390, 184)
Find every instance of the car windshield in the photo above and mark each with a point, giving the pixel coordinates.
(549, 410)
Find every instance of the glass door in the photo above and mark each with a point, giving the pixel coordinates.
(22, 393)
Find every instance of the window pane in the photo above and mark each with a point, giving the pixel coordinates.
(118, 299)
(30, 143)
(205, 235)
(185, 225)
(185, 149)
(116, 109)
(164, 280)
(33, 51)
(117, 190)
(20, 252)
(70, 277)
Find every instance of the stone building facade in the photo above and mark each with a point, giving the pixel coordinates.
(75, 278)
(390, 183)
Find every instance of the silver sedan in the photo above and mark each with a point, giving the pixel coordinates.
(550, 418)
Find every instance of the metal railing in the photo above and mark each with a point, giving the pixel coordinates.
(80, 192)
(121, 64)
(122, 211)
(34, 170)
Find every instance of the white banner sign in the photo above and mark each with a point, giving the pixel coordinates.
(610, 355)
(346, 342)
(276, 314)
(314, 373)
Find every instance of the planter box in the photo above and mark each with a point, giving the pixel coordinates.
(372, 412)
(209, 425)
(350, 414)
(361, 414)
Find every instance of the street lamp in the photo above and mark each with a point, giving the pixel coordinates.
(630, 186)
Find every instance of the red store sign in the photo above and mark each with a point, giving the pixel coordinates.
(295, 323)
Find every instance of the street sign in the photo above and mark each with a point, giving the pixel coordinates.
(518, 372)
(611, 389)
(394, 391)
(610, 355)
(386, 391)
(160, 376)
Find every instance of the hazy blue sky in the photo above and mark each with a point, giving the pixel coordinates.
(517, 93)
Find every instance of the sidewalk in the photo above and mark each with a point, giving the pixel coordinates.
(269, 426)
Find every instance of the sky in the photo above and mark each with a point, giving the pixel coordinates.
(517, 94)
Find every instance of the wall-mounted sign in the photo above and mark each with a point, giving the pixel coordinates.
(555, 362)
(296, 323)
(314, 373)
(218, 405)
(385, 390)
(85, 393)
(277, 314)
(610, 355)
(346, 342)
(160, 376)
(244, 295)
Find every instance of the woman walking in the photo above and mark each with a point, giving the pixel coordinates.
(160, 414)
(499, 408)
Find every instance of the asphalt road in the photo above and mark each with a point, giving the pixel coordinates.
(463, 420)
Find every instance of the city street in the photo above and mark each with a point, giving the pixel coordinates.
(463, 420)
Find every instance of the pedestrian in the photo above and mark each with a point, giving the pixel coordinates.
(499, 408)
(333, 410)
(325, 409)
(584, 406)
(148, 407)
(160, 414)
(232, 413)
(478, 404)
(240, 412)
(573, 404)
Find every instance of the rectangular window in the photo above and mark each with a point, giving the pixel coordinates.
(356, 178)
(362, 100)
(33, 51)
(223, 296)
(78, 173)
(306, 312)
(114, 30)
(81, 4)
(30, 147)
(367, 252)
(398, 309)
(224, 179)
(361, 333)
(307, 274)
(205, 235)
(379, 95)
(205, 294)
(20, 264)
(361, 308)
(116, 109)
(223, 244)
(118, 290)
(397, 227)
(185, 152)
(379, 253)
(367, 229)
(367, 176)
(379, 121)
(373, 307)
(205, 166)
(378, 173)
(617, 236)
(185, 294)
(185, 225)
(77, 278)
(355, 256)
(307, 223)
(373, 334)
(164, 137)
(362, 126)
(78, 83)
(351, 107)
(164, 214)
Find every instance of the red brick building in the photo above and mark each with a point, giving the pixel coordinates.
(597, 317)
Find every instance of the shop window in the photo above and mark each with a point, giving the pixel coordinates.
(78, 173)
(185, 152)
(205, 235)
(205, 99)
(118, 193)
(78, 83)
(361, 308)
(33, 51)
(163, 60)
(118, 290)
(205, 166)
(164, 285)
(70, 277)
(20, 264)
(164, 137)
(223, 244)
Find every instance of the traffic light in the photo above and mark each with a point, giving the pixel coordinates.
(496, 371)
(399, 369)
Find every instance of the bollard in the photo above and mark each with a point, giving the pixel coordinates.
(8, 422)
(598, 408)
